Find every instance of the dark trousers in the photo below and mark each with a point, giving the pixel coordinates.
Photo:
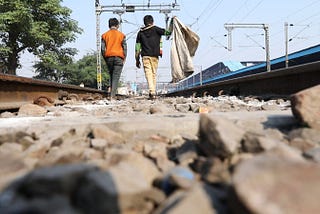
(115, 65)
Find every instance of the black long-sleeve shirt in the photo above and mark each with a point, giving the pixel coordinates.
(149, 38)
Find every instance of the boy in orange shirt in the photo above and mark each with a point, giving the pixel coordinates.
(114, 52)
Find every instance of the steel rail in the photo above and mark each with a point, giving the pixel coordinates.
(281, 82)
(16, 91)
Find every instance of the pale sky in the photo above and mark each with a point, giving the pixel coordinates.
(207, 19)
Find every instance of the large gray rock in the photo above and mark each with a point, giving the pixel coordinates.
(32, 110)
(63, 155)
(200, 199)
(218, 136)
(143, 165)
(305, 106)
(158, 153)
(212, 170)
(104, 132)
(255, 143)
(310, 135)
(259, 141)
(186, 153)
(313, 154)
(270, 184)
(121, 189)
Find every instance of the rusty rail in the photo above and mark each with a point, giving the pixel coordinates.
(16, 91)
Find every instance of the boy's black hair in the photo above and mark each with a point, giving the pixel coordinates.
(113, 22)
(148, 20)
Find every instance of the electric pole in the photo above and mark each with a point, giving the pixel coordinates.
(121, 9)
(98, 42)
(265, 27)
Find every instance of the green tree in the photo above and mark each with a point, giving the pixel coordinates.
(85, 71)
(41, 27)
(54, 66)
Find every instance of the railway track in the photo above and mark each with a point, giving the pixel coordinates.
(276, 83)
(16, 91)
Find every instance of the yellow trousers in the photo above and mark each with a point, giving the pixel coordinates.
(150, 66)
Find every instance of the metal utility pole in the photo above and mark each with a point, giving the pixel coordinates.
(121, 9)
(98, 13)
(286, 42)
(201, 75)
(230, 27)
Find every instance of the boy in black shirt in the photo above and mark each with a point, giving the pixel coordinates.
(148, 45)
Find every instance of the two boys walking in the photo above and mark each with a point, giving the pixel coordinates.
(148, 46)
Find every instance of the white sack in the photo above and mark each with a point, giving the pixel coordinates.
(184, 45)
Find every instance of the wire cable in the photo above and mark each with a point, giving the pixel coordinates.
(217, 5)
(253, 9)
(303, 29)
(239, 9)
(211, 4)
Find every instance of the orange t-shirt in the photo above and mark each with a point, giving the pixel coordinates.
(113, 39)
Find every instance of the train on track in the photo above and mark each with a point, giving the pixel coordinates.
(230, 69)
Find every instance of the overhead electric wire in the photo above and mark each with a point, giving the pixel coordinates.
(295, 13)
(257, 43)
(217, 5)
(211, 4)
(301, 9)
(221, 45)
(316, 14)
(295, 36)
(131, 34)
(253, 9)
(239, 9)
(234, 14)
(297, 23)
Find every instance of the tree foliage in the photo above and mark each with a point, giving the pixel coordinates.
(85, 71)
(41, 27)
(82, 71)
(53, 66)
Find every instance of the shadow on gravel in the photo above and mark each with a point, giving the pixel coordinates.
(281, 122)
(175, 116)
